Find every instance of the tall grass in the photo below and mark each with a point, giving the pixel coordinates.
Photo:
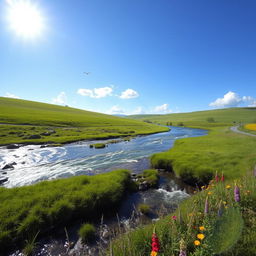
(226, 229)
(27, 210)
(196, 160)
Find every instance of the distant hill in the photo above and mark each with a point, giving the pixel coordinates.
(212, 117)
(21, 114)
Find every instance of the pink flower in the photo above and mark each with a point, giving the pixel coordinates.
(237, 194)
(174, 217)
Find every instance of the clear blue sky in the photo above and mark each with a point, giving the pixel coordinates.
(173, 55)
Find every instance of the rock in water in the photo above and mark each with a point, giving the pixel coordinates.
(12, 146)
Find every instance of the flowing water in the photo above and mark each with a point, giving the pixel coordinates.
(34, 164)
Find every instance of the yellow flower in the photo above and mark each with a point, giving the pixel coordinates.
(197, 242)
(224, 202)
(228, 186)
(209, 193)
(201, 228)
(153, 253)
(200, 236)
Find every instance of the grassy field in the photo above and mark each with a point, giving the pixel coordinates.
(209, 118)
(52, 123)
(196, 160)
(26, 210)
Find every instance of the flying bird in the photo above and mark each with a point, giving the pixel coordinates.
(87, 73)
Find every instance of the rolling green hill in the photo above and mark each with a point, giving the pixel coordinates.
(59, 124)
(219, 117)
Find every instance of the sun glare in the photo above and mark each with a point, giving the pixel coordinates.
(24, 18)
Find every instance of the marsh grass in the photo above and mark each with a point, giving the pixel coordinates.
(41, 207)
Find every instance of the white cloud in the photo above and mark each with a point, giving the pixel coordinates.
(250, 101)
(137, 111)
(163, 109)
(61, 99)
(9, 95)
(96, 92)
(230, 99)
(129, 94)
(115, 110)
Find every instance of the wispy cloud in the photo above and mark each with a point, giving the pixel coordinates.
(162, 109)
(61, 99)
(129, 94)
(10, 95)
(232, 99)
(115, 110)
(96, 93)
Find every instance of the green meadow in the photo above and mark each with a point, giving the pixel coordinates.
(21, 120)
(27, 210)
(214, 221)
(205, 119)
(196, 160)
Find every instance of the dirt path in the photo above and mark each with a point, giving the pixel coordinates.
(235, 129)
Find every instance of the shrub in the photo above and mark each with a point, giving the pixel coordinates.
(87, 232)
(144, 208)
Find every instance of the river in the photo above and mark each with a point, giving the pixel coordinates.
(34, 164)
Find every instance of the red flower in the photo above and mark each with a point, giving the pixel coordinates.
(174, 217)
(155, 243)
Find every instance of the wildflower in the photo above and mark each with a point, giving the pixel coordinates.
(237, 193)
(222, 177)
(228, 187)
(200, 236)
(183, 248)
(209, 193)
(197, 242)
(224, 202)
(206, 206)
(201, 228)
(174, 217)
(155, 245)
(216, 177)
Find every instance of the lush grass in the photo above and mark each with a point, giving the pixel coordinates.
(98, 145)
(209, 118)
(228, 227)
(69, 124)
(26, 210)
(87, 232)
(197, 159)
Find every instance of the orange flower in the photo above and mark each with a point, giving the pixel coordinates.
(200, 236)
(197, 242)
(201, 228)
(228, 186)
(153, 253)
(209, 193)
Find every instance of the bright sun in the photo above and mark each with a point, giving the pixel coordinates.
(25, 18)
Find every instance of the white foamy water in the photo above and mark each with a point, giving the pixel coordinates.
(34, 164)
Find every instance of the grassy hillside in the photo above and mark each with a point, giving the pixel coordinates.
(207, 118)
(62, 124)
(46, 205)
